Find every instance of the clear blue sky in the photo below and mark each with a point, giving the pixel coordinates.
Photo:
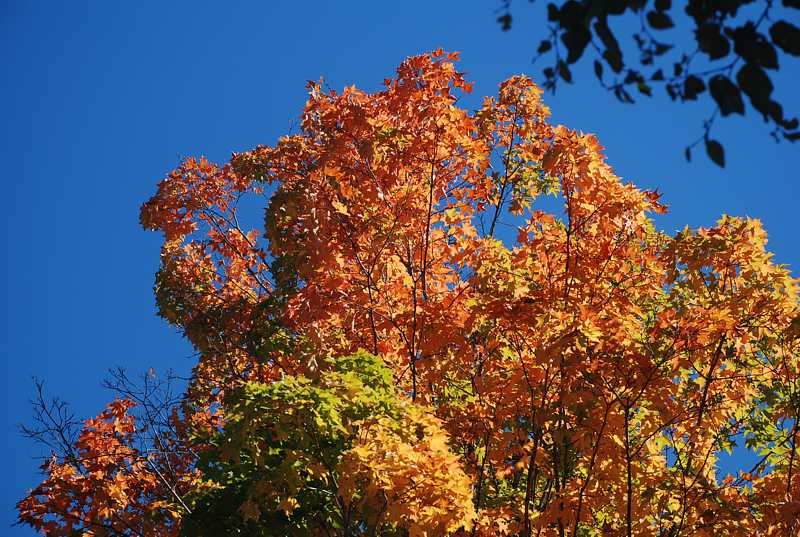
(101, 99)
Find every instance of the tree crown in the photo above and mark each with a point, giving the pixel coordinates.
(579, 377)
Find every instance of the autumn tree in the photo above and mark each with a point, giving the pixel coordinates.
(386, 358)
(735, 49)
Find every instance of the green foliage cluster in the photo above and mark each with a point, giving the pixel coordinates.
(274, 465)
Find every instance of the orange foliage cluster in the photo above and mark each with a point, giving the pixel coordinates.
(587, 375)
(107, 486)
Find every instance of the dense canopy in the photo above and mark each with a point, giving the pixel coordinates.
(385, 358)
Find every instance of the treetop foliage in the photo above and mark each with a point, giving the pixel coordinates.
(377, 361)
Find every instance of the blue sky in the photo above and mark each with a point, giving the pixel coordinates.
(101, 99)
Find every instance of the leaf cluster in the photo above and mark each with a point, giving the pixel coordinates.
(733, 56)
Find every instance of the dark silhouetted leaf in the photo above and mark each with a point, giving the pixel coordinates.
(564, 72)
(632, 76)
(712, 42)
(614, 59)
(747, 39)
(671, 91)
(544, 46)
(775, 112)
(688, 154)
(755, 83)
(572, 14)
(604, 33)
(617, 7)
(753, 46)
(715, 152)
(598, 70)
(661, 49)
(505, 21)
(792, 136)
(659, 20)
(552, 13)
(726, 94)
(692, 87)
(576, 40)
(786, 36)
(622, 95)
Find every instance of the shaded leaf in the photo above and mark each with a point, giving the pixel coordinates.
(711, 41)
(576, 41)
(622, 95)
(786, 36)
(662, 48)
(564, 72)
(715, 152)
(603, 31)
(671, 91)
(726, 95)
(632, 76)
(659, 20)
(544, 46)
(755, 83)
(598, 70)
(775, 112)
(753, 46)
(614, 59)
(692, 87)
(552, 12)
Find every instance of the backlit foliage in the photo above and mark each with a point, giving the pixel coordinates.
(377, 361)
